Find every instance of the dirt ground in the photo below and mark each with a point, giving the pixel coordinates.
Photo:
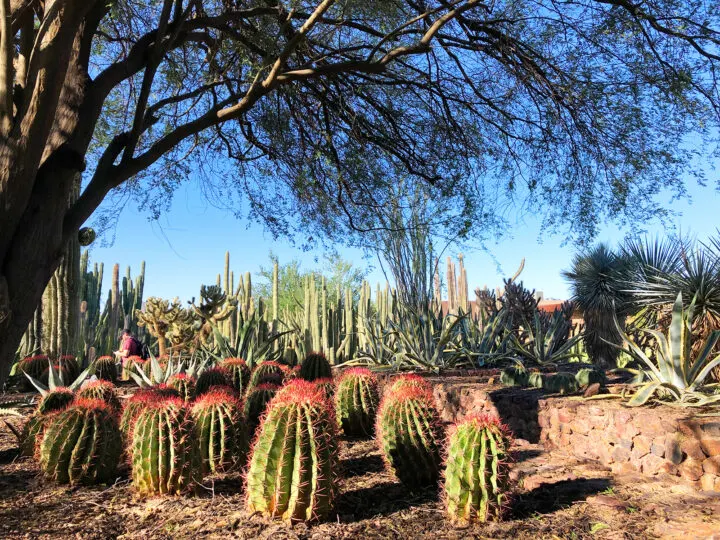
(557, 497)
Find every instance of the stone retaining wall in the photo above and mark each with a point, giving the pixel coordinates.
(649, 441)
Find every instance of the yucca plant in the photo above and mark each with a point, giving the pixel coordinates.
(678, 375)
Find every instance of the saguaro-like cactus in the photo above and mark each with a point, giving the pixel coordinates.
(356, 402)
(256, 402)
(82, 444)
(165, 457)
(102, 390)
(410, 435)
(184, 384)
(294, 459)
(315, 366)
(239, 372)
(220, 431)
(476, 484)
(216, 376)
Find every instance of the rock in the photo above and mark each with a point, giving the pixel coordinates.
(690, 446)
(607, 500)
(641, 446)
(712, 465)
(691, 470)
(710, 482)
(620, 454)
(592, 390)
(651, 464)
(711, 447)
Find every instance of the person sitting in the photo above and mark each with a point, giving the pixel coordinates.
(129, 346)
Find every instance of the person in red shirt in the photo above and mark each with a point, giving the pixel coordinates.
(129, 346)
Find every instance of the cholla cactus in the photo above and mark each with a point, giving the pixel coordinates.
(102, 390)
(220, 431)
(106, 368)
(409, 380)
(217, 376)
(184, 384)
(477, 486)
(294, 459)
(82, 444)
(268, 373)
(165, 458)
(410, 435)
(315, 366)
(256, 402)
(239, 372)
(356, 402)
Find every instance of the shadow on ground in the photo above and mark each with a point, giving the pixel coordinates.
(381, 500)
(549, 498)
(359, 466)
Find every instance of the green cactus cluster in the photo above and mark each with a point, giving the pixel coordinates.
(106, 368)
(515, 375)
(409, 435)
(81, 444)
(477, 485)
(220, 431)
(185, 385)
(294, 460)
(216, 376)
(315, 366)
(239, 373)
(102, 390)
(356, 402)
(560, 383)
(256, 401)
(164, 451)
(268, 373)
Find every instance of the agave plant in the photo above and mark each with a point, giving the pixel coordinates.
(253, 343)
(678, 375)
(546, 339)
(160, 374)
(484, 341)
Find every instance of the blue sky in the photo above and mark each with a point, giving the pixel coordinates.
(186, 247)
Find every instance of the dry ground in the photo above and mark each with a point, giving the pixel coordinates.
(557, 498)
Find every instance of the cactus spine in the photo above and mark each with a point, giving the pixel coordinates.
(294, 459)
(184, 384)
(137, 403)
(102, 390)
(220, 431)
(239, 373)
(409, 435)
(256, 402)
(409, 381)
(106, 369)
(356, 402)
(82, 444)
(217, 376)
(165, 459)
(267, 373)
(315, 366)
(476, 483)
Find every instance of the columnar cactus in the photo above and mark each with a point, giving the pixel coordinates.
(256, 402)
(315, 366)
(137, 403)
(165, 457)
(220, 431)
(294, 459)
(410, 436)
(102, 390)
(560, 383)
(267, 373)
(409, 380)
(239, 372)
(82, 444)
(184, 384)
(477, 485)
(216, 376)
(356, 402)
(106, 368)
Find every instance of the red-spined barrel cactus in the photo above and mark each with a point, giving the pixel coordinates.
(410, 436)
(217, 376)
(239, 373)
(33, 366)
(409, 380)
(327, 386)
(220, 431)
(55, 400)
(315, 366)
(294, 459)
(184, 384)
(268, 373)
(137, 403)
(477, 485)
(106, 368)
(165, 457)
(103, 390)
(82, 444)
(356, 401)
(256, 402)
(71, 364)
(50, 402)
(131, 365)
(61, 371)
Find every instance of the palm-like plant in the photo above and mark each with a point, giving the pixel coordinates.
(598, 281)
(679, 374)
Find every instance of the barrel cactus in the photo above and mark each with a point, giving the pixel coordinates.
(55, 400)
(82, 444)
(165, 457)
(409, 380)
(293, 465)
(184, 384)
(106, 368)
(477, 485)
(409, 434)
(514, 376)
(102, 390)
(52, 401)
(137, 403)
(61, 371)
(129, 366)
(315, 366)
(588, 376)
(356, 402)
(327, 386)
(71, 365)
(560, 383)
(33, 366)
(220, 431)
(239, 373)
(217, 376)
(535, 379)
(256, 402)
(268, 373)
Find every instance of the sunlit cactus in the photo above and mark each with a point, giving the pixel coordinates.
(129, 366)
(477, 485)
(239, 372)
(82, 444)
(327, 386)
(268, 373)
(356, 402)
(256, 401)
(409, 380)
(137, 403)
(217, 376)
(315, 366)
(55, 400)
(184, 384)
(102, 390)
(410, 436)
(293, 464)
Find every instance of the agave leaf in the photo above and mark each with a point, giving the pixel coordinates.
(635, 351)
(648, 390)
(81, 378)
(702, 357)
(37, 384)
(698, 381)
